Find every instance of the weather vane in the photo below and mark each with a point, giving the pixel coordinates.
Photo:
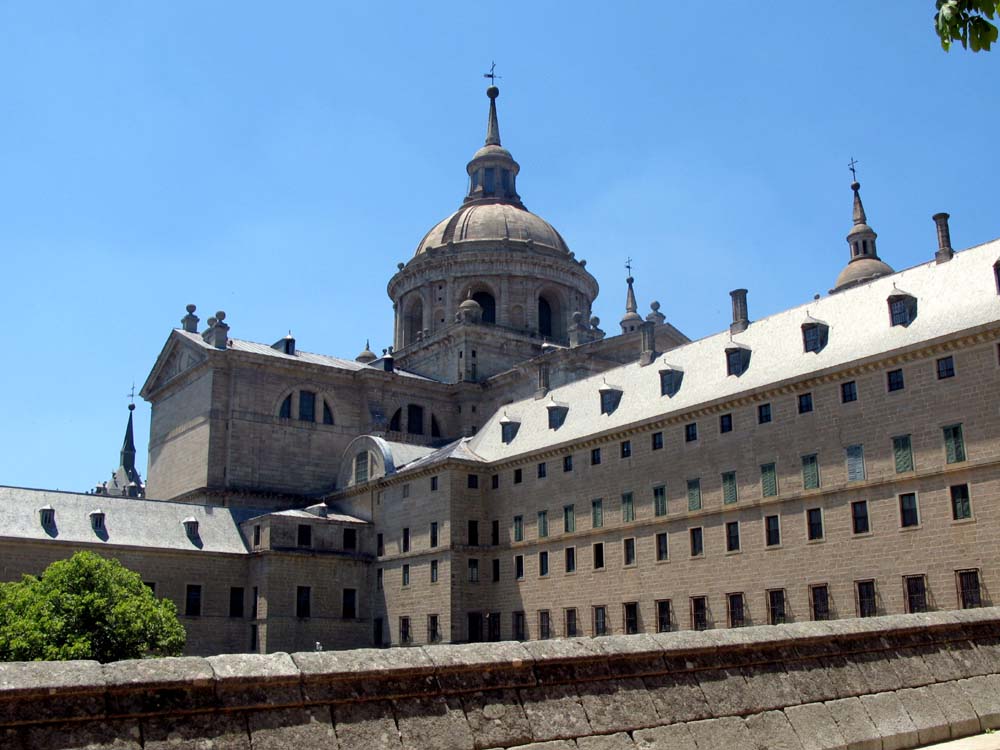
(131, 396)
(628, 265)
(492, 75)
(850, 165)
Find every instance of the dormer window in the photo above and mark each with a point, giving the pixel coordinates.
(737, 360)
(670, 381)
(508, 431)
(97, 520)
(191, 527)
(902, 309)
(47, 516)
(814, 336)
(610, 398)
(557, 415)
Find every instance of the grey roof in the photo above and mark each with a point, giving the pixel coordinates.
(129, 522)
(458, 449)
(493, 222)
(952, 297)
(321, 514)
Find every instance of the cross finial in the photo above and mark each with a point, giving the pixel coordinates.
(628, 265)
(850, 165)
(492, 75)
(131, 394)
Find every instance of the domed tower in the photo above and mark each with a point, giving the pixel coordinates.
(864, 264)
(492, 250)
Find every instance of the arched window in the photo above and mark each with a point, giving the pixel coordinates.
(413, 322)
(394, 423)
(489, 305)
(544, 317)
(414, 419)
(361, 468)
(306, 406)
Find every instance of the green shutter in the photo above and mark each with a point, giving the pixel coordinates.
(810, 472)
(694, 494)
(855, 463)
(903, 453)
(768, 480)
(729, 487)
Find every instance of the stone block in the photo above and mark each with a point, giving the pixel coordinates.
(50, 691)
(968, 658)
(619, 741)
(926, 715)
(371, 673)
(729, 732)
(891, 720)
(212, 730)
(810, 680)
(815, 727)
(911, 668)
(845, 679)
(552, 745)
(562, 660)
(962, 717)
(554, 712)
(369, 725)
(727, 692)
(673, 737)
(989, 654)
(677, 698)
(617, 705)
(771, 731)
(940, 663)
(434, 723)
(855, 724)
(771, 687)
(482, 666)
(632, 655)
(496, 718)
(284, 728)
(984, 695)
(877, 672)
(256, 680)
(151, 686)
(112, 735)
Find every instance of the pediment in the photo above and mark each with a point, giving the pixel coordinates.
(176, 357)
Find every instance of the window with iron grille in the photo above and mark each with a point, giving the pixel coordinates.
(570, 618)
(699, 613)
(697, 542)
(968, 589)
(859, 517)
(772, 531)
(600, 620)
(660, 501)
(433, 629)
(473, 571)
(732, 536)
(908, 513)
(776, 606)
(734, 603)
(902, 453)
(866, 598)
(916, 593)
(517, 625)
(820, 597)
(663, 616)
(946, 368)
(630, 610)
(768, 480)
(661, 546)
(814, 524)
(954, 444)
(544, 625)
(960, 505)
(404, 630)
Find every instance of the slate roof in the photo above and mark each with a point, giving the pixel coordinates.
(129, 522)
(458, 449)
(952, 297)
(321, 514)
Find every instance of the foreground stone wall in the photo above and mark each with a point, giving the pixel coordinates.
(879, 683)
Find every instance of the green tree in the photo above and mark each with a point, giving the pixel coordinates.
(86, 607)
(965, 21)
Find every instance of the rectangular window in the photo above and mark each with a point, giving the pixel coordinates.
(518, 528)
(304, 535)
(855, 463)
(699, 613)
(894, 380)
(519, 567)
(600, 620)
(568, 463)
(434, 571)
(726, 423)
(518, 476)
(968, 589)
(406, 491)
(349, 604)
(256, 536)
(541, 470)
(404, 630)
(406, 540)
(379, 545)
(763, 413)
(598, 555)
(543, 563)
(848, 392)
(406, 575)
(776, 606)
(434, 534)
(350, 539)
(859, 517)
(254, 597)
(734, 603)
(597, 513)
(192, 600)
(496, 570)
(626, 449)
(473, 534)
(236, 601)
(772, 531)
(628, 508)
(472, 481)
(663, 616)
(732, 536)
(571, 559)
(866, 598)
(544, 625)
(517, 626)
(954, 444)
(656, 440)
(697, 542)
(595, 456)
(434, 488)
(805, 403)
(902, 452)
(628, 548)
(946, 368)
(810, 472)
(690, 432)
(814, 524)
(569, 519)
(495, 533)
(960, 506)
(694, 494)
(433, 629)
(493, 626)
(307, 406)
(729, 492)
(916, 593)
(494, 481)
(768, 480)
(660, 501)
(899, 314)
(908, 513)
(661, 546)
(819, 596)
(303, 601)
(571, 629)
(473, 571)
(631, 614)
(543, 524)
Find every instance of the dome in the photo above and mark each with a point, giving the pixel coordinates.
(493, 222)
(861, 270)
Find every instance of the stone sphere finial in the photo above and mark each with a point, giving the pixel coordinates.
(595, 321)
(190, 309)
(220, 316)
(577, 316)
(492, 92)
(400, 266)
(654, 306)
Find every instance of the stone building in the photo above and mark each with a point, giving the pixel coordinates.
(508, 471)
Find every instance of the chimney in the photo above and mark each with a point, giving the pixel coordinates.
(944, 252)
(388, 363)
(740, 319)
(220, 331)
(543, 380)
(647, 341)
(285, 345)
(190, 321)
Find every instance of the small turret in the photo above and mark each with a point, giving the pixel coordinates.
(864, 264)
(367, 356)
(632, 319)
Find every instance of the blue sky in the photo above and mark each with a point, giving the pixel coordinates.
(277, 161)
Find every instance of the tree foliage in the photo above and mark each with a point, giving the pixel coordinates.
(966, 21)
(86, 607)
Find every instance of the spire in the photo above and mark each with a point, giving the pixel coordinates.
(128, 446)
(630, 304)
(493, 126)
(859, 209)
(864, 264)
(493, 171)
(632, 319)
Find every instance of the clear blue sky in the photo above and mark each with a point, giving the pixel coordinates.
(277, 160)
